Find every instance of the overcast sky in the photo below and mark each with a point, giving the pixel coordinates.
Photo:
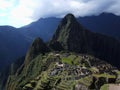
(18, 13)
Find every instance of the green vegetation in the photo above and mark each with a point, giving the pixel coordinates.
(93, 69)
(86, 81)
(104, 87)
(42, 73)
(118, 72)
(69, 60)
(104, 75)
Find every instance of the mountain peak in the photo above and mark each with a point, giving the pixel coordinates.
(69, 17)
(68, 30)
(72, 36)
(37, 47)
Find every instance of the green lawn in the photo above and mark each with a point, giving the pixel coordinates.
(69, 59)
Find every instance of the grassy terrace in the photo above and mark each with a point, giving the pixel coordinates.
(104, 87)
(68, 60)
(118, 72)
(104, 75)
(72, 59)
(86, 81)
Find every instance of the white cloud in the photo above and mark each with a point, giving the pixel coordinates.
(5, 4)
(22, 12)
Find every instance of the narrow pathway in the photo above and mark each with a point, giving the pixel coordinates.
(114, 87)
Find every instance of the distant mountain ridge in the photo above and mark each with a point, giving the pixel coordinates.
(105, 23)
(44, 28)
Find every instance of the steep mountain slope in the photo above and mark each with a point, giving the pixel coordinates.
(71, 36)
(37, 47)
(13, 45)
(10, 70)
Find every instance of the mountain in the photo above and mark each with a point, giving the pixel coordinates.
(14, 42)
(13, 45)
(10, 70)
(11, 38)
(71, 59)
(43, 28)
(105, 23)
(63, 71)
(37, 47)
(72, 36)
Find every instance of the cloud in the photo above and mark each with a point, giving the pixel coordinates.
(23, 12)
(77, 7)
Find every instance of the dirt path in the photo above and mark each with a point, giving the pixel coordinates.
(114, 87)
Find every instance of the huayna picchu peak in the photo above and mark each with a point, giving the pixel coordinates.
(67, 29)
(69, 18)
(74, 59)
(72, 36)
